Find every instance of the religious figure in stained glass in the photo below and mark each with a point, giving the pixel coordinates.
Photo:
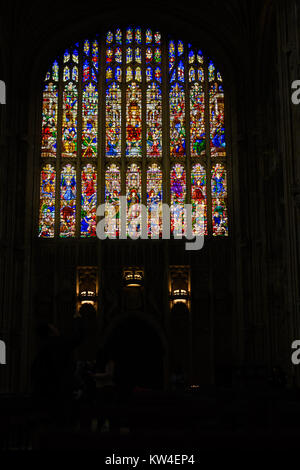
(47, 202)
(68, 202)
(88, 201)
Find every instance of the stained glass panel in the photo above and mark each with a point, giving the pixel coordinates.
(219, 200)
(154, 200)
(133, 120)
(199, 202)
(197, 122)
(89, 121)
(112, 200)
(133, 194)
(49, 120)
(217, 126)
(113, 121)
(88, 201)
(69, 124)
(68, 202)
(154, 121)
(55, 70)
(47, 202)
(148, 36)
(177, 121)
(178, 195)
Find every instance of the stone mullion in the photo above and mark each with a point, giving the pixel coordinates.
(208, 154)
(187, 127)
(124, 86)
(165, 123)
(101, 147)
(79, 162)
(144, 124)
(61, 85)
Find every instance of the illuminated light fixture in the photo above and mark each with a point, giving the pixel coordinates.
(180, 287)
(133, 277)
(180, 296)
(87, 287)
(87, 297)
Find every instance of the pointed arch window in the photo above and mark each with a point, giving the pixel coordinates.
(138, 114)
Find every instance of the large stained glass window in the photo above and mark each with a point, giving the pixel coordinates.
(128, 115)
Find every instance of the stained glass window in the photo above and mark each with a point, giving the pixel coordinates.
(122, 117)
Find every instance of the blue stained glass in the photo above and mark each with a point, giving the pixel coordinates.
(86, 71)
(211, 71)
(173, 78)
(119, 36)
(191, 57)
(148, 36)
(109, 37)
(181, 71)
(75, 56)
(118, 55)
(138, 36)
(180, 48)
(149, 74)
(129, 36)
(95, 54)
(200, 57)
(192, 74)
(55, 71)
(75, 74)
(66, 56)
(118, 74)
(86, 47)
(158, 74)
